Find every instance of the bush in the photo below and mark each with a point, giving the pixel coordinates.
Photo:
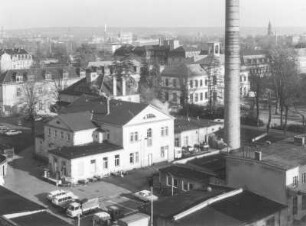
(250, 121)
(295, 128)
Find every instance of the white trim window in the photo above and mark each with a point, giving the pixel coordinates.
(185, 186)
(117, 160)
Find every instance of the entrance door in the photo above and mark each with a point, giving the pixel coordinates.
(149, 159)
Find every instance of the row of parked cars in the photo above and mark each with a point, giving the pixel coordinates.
(9, 132)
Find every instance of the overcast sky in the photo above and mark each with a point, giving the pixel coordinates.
(159, 13)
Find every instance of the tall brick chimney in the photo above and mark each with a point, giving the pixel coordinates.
(232, 75)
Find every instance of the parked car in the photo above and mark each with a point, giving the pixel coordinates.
(12, 132)
(79, 208)
(101, 219)
(145, 195)
(63, 201)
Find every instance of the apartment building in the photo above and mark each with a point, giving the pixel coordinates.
(16, 58)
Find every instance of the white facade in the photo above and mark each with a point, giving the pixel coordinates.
(15, 61)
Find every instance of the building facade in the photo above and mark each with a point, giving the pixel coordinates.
(15, 59)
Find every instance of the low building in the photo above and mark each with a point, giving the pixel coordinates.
(15, 59)
(16, 210)
(218, 206)
(191, 132)
(276, 171)
(144, 134)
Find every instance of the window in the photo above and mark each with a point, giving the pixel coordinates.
(136, 157)
(191, 97)
(201, 96)
(174, 97)
(105, 163)
(304, 178)
(186, 140)
(149, 137)
(196, 99)
(68, 136)
(201, 82)
(184, 186)
(132, 158)
(177, 142)
(191, 84)
(117, 160)
(190, 186)
(206, 95)
(93, 161)
(174, 82)
(294, 206)
(162, 152)
(295, 181)
(62, 134)
(49, 131)
(196, 83)
(167, 96)
(175, 183)
(206, 82)
(55, 133)
(167, 82)
(18, 92)
(303, 202)
(164, 131)
(132, 137)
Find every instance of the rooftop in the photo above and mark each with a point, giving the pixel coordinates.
(283, 154)
(85, 150)
(187, 173)
(185, 124)
(182, 70)
(13, 51)
(75, 121)
(121, 112)
(38, 219)
(11, 202)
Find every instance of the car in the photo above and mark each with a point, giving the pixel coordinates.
(145, 195)
(12, 132)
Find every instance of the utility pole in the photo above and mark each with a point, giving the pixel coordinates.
(151, 205)
(232, 75)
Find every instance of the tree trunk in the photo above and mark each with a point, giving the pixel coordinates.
(232, 75)
(270, 113)
(281, 115)
(276, 106)
(286, 118)
(257, 109)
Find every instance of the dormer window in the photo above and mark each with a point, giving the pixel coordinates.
(48, 76)
(19, 78)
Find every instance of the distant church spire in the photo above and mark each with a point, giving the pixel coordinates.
(270, 32)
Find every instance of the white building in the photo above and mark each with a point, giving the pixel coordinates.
(277, 172)
(45, 83)
(17, 58)
(128, 135)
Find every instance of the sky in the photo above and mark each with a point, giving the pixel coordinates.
(18, 14)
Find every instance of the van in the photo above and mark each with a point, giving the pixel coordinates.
(62, 200)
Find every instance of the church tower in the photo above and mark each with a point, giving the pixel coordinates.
(270, 32)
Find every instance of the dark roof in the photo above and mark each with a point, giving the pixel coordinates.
(13, 51)
(121, 112)
(186, 173)
(176, 204)
(247, 207)
(11, 202)
(178, 52)
(77, 121)
(85, 150)
(38, 219)
(185, 124)
(38, 73)
(183, 70)
(2, 159)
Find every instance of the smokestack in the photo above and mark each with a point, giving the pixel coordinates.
(232, 74)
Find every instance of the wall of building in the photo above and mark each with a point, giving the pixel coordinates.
(258, 177)
(83, 136)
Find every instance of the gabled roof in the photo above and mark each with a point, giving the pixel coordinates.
(183, 70)
(121, 112)
(85, 150)
(13, 51)
(76, 121)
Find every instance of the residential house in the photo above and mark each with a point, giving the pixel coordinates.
(130, 135)
(217, 205)
(44, 83)
(276, 171)
(15, 59)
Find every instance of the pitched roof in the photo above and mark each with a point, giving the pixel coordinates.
(121, 112)
(77, 121)
(186, 173)
(85, 150)
(13, 51)
(11, 202)
(183, 70)
(184, 124)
